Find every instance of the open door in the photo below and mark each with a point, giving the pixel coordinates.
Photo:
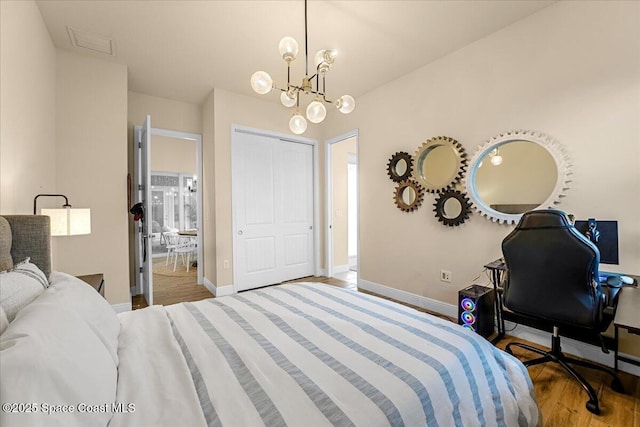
(144, 275)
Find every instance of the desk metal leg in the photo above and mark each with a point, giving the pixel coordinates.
(495, 278)
(617, 344)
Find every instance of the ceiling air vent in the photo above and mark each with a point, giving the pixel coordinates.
(91, 41)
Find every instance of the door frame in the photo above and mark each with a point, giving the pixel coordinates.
(329, 198)
(198, 140)
(316, 190)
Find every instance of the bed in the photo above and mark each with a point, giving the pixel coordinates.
(303, 354)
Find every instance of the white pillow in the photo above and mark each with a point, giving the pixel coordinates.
(52, 357)
(19, 286)
(4, 322)
(68, 293)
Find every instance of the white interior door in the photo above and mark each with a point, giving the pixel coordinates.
(273, 210)
(144, 265)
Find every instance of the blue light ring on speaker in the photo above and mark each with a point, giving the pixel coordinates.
(468, 318)
(468, 304)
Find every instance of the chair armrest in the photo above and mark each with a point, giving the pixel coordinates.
(611, 296)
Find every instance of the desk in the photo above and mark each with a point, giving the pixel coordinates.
(95, 280)
(627, 317)
(496, 268)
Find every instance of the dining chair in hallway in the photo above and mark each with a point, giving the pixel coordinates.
(186, 246)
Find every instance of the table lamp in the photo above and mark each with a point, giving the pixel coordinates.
(66, 221)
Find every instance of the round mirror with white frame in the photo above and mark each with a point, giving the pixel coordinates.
(516, 172)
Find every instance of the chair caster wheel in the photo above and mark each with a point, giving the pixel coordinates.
(616, 385)
(593, 407)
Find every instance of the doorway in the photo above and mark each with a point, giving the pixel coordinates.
(274, 204)
(169, 239)
(342, 253)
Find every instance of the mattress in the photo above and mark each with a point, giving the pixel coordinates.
(309, 354)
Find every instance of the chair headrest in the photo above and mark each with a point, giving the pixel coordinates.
(544, 218)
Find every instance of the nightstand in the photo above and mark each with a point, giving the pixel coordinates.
(95, 280)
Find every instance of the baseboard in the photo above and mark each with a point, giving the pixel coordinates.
(570, 346)
(121, 308)
(218, 291)
(409, 298)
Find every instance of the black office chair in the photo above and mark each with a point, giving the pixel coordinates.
(552, 276)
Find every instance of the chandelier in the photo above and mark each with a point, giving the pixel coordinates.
(315, 86)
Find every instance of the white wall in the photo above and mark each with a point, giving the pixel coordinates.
(173, 155)
(572, 71)
(165, 114)
(91, 160)
(340, 204)
(232, 109)
(27, 108)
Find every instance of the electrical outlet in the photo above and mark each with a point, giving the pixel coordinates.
(445, 276)
(225, 263)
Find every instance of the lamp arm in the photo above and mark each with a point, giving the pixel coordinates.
(35, 199)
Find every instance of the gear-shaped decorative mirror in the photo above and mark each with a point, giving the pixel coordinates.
(516, 172)
(452, 208)
(400, 166)
(408, 195)
(439, 163)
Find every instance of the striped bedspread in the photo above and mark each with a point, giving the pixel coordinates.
(313, 355)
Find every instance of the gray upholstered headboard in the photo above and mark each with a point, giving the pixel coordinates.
(30, 236)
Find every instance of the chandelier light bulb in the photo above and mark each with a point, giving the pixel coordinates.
(288, 48)
(345, 104)
(316, 112)
(288, 100)
(324, 59)
(330, 56)
(261, 82)
(297, 124)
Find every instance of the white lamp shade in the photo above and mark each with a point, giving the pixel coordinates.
(69, 221)
(288, 48)
(286, 100)
(261, 82)
(345, 104)
(297, 124)
(316, 112)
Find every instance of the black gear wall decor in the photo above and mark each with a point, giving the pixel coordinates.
(461, 207)
(412, 200)
(394, 166)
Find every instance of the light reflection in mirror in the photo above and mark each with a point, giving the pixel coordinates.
(524, 179)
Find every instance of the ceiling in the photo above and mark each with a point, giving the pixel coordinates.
(183, 49)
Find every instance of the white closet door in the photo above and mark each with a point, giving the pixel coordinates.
(296, 203)
(273, 210)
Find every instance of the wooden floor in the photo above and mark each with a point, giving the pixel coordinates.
(169, 290)
(561, 399)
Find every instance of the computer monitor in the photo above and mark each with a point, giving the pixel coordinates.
(604, 234)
